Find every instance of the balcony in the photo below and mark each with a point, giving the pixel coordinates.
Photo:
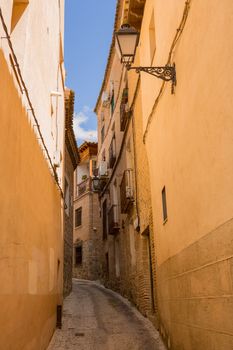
(84, 187)
(113, 220)
(126, 190)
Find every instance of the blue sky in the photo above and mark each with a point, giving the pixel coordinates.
(88, 35)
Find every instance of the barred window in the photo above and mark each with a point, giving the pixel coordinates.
(78, 217)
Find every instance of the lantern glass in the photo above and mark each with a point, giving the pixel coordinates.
(96, 183)
(126, 43)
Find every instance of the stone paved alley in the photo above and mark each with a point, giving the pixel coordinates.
(96, 318)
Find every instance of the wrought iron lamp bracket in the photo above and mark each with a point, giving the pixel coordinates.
(166, 73)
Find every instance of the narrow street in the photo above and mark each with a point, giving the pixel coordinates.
(95, 318)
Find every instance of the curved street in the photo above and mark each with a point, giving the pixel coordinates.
(95, 318)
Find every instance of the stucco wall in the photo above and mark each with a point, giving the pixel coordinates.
(189, 148)
(31, 234)
(37, 41)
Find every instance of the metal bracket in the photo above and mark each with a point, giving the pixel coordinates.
(166, 73)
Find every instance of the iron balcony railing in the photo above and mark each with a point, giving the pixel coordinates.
(126, 190)
(84, 187)
(113, 220)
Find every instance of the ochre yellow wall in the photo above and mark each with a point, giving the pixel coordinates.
(30, 229)
(190, 151)
(189, 139)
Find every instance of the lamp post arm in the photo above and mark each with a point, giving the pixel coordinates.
(166, 73)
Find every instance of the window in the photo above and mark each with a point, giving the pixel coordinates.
(104, 209)
(67, 197)
(112, 103)
(94, 168)
(78, 254)
(112, 152)
(164, 202)
(152, 36)
(78, 217)
(102, 135)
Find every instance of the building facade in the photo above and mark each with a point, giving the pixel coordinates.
(87, 243)
(32, 162)
(124, 185)
(188, 141)
(71, 162)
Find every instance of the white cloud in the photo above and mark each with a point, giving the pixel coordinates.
(82, 133)
(87, 109)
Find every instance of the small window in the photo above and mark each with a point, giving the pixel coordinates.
(102, 135)
(94, 167)
(78, 217)
(112, 152)
(112, 103)
(67, 197)
(104, 219)
(164, 202)
(78, 255)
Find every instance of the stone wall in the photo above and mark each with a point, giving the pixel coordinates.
(89, 235)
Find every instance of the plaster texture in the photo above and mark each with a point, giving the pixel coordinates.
(31, 249)
(39, 51)
(188, 139)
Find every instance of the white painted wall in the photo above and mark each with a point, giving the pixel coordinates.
(38, 43)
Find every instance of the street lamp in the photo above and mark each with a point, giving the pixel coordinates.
(96, 183)
(127, 39)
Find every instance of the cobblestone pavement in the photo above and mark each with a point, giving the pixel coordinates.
(95, 318)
